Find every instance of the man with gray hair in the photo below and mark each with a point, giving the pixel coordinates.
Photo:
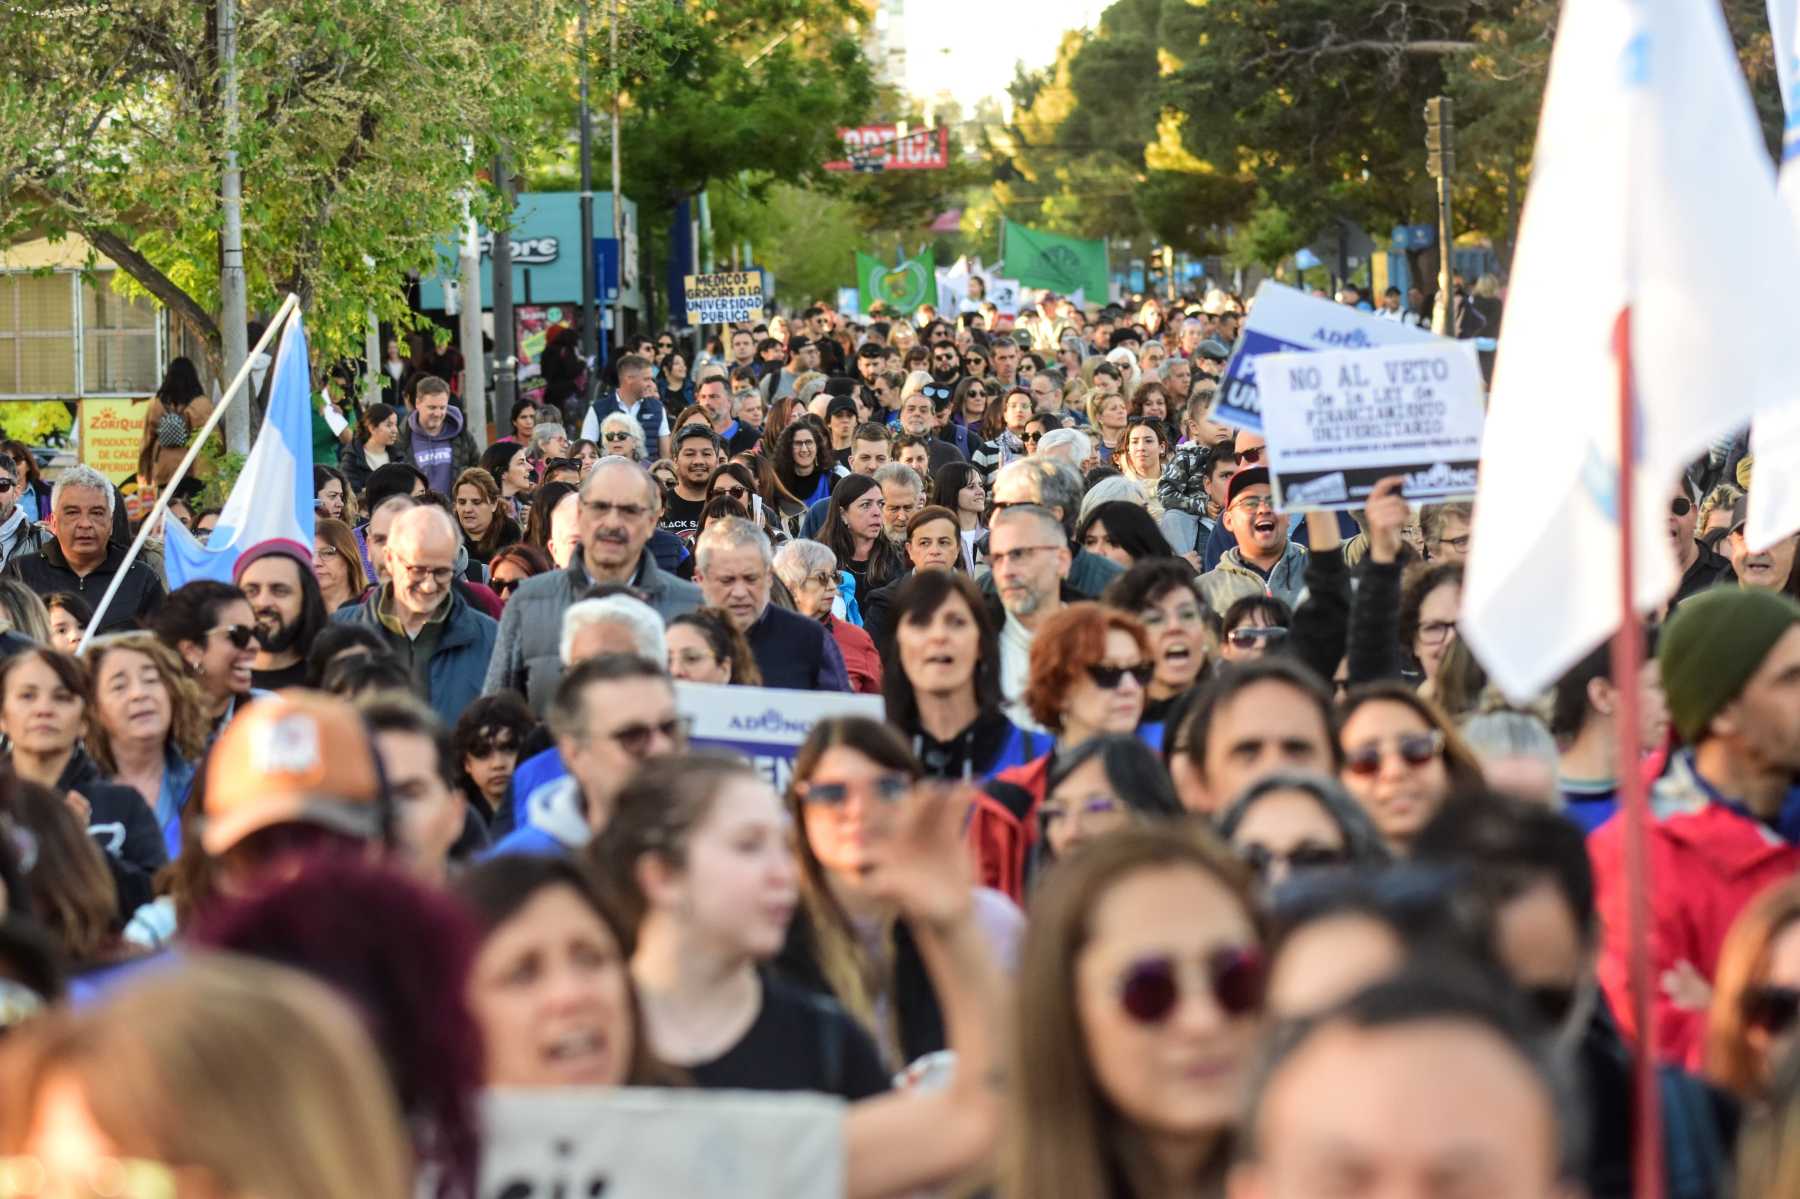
(419, 615)
(1071, 447)
(1057, 487)
(83, 559)
(734, 565)
(902, 494)
(616, 513)
(612, 624)
(1029, 554)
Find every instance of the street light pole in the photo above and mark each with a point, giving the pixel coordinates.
(618, 204)
(234, 319)
(1440, 162)
(506, 365)
(589, 316)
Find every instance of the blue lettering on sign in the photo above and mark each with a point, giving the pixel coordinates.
(1343, 339)
(771, 721)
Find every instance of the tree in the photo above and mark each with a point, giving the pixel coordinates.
(358, 122)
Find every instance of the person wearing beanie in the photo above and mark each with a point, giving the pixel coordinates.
(1725, 816)
(276, 576)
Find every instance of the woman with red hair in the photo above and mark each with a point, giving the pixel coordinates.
(1090, 667)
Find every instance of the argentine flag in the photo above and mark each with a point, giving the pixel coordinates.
(273, 497)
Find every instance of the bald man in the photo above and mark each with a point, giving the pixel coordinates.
(444, 642)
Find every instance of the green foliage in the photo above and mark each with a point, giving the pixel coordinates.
(807, 237)
(35, 423)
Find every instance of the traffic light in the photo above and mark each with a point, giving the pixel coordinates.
(1440, 137)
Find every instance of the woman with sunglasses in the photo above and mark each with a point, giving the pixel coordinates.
(1253, 626)
(1106, 783)
(1137, 1015)
(622, 437)
(34, 489)
(976, 362)
(513, 565)
(46, 704)
(737, 482)
(847, 942)
(853, 530)
(1755, 1010)
(1090, 665)
(1295, 820)
(212, 627)
(1403, 760)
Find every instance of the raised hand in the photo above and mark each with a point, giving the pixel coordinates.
(1385, 516)
(917, 858)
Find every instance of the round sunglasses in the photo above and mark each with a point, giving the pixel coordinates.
(1414, 749)
(1151, 988)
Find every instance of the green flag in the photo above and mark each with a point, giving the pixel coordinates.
(1055, 262)
(902, 288)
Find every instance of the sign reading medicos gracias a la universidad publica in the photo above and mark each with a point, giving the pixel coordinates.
(1285, 320)
(1340, 421)
(724, 297)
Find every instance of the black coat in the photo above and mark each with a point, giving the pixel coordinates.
(47, 572)
(123, 826)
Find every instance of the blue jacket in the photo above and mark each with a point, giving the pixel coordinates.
(792, 651)
(459, 660)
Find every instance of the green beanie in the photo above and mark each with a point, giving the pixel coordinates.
(1711, 647)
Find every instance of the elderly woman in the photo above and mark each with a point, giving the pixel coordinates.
(548, 441)
(622, 437)
(809, 571)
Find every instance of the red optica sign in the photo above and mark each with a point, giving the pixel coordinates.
(885, 148)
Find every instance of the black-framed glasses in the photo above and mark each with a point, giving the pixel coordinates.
(1108, 678)
(1414, 749)
(1459, 544)
(1253, 455)
(635, 739)
(240, 635)
(1774, 1009)
(1150, 988)
(887, 789)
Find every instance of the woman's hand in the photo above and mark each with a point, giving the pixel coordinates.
(917, 857)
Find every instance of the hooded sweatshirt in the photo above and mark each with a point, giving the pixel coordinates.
(434, 454)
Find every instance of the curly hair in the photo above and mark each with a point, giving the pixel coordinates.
(1418, 587)
(1065, 646)
(189, 725)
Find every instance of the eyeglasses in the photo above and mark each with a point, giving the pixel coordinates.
(415, 575)
(1019, 555)
(505, 587)
(1150, 989)
(240, 635)
(739, 493)
(1414, 749)
(1108, 678)
(887, 789)
(1256, 503)
(824, 580)
(1459, 544)
(1031, 438)
(1680, 506)
(616, 435)
(1248, 636)
(634, 739)
(1305, 856)
(1433, 632)
(1252, 455)
(1771, 1008)
(600, 510)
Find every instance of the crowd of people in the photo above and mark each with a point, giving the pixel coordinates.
(1193, 855)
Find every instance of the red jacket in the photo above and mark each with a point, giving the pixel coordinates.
(1003, 826)
(1707, 863)
(861, 661)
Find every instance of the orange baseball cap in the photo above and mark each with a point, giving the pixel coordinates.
(299, 757)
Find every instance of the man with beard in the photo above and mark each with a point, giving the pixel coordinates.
(276, 577)
(696, 457)
(1264, 561)
(946, 363)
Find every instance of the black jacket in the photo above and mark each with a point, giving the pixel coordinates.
(123, 826)
(792, 651)
(48, 571)
(1708, 570)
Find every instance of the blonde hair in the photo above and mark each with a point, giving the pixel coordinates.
(254, 1074)
(189, 724)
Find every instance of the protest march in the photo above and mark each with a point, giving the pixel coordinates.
(1032, 727)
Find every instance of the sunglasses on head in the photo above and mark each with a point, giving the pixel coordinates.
(1150, 988)
(1108, 678)
(1415, 749)
(1248, 636)
(239, 635)
(1680, 506)
(935, 391)
(1773, 1009)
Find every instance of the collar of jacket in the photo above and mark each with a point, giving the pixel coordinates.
(1684, 807)
(390, 619)
(53, 554)
(1294, 555)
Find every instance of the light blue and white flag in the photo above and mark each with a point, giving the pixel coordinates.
(273, 496)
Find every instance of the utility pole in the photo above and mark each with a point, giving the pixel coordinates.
(474, 388)
(1440, 162)
(589, 314)
(506, 363)
(618, 203)
(234, 318)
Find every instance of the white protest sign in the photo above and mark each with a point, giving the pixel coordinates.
(631, 1142)
(1286, 320)
(765, 724)
(725, 297)
(1340, 421)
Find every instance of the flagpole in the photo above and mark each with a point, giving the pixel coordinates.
(1627, 667)
(288, 308)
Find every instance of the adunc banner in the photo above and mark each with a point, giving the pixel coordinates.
(765, 724)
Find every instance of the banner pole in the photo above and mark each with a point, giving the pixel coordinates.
(1627, 667)
(288, 307)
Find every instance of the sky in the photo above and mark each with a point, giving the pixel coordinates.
(984, 41)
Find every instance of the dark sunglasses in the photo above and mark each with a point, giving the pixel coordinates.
(739, 492)
(1252, 455)
(1030, 437)
(1771, 1008)
(1415, 749)
(1305, 856)
(889, 788)
(1108, 678)
(1680, 506)
(239, 635)
(6, 485)
(1249, 635)
(1150, 989)
(634, 739)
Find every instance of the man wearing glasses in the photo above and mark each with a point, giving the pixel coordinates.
(618, 508)
(1028, 550)
(431, 629)
(1264, 561)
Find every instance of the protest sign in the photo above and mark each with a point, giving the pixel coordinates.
(112, 433)
(765, 724)
(1286, 320)
(1339, 421)
(725, 297)
(626, 1142)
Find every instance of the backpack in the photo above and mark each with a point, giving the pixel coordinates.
(172, 430)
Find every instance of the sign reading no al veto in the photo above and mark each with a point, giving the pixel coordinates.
(1339, 421)
(724, 297)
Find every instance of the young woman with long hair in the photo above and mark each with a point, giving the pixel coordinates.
(1755, 1013)
(508, 463)
(174, 418)
(513, 565)
(370, 449)
(705, 647)
(804, 472)
(853, 531)
(487, 527)
(1403, 759)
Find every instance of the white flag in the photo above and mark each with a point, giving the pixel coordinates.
(1775, 435)
(1651, 187)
